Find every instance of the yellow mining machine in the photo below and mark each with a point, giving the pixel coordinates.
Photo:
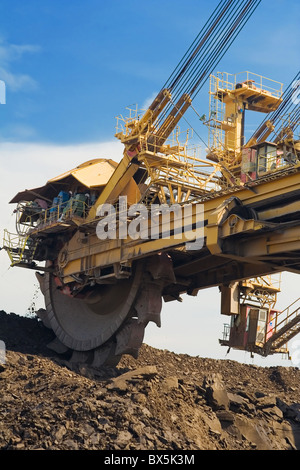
(110, 241)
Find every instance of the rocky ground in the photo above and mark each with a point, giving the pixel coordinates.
(161, 401)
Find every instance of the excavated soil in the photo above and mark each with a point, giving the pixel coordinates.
(161, 401)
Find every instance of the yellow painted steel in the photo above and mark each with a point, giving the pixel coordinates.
(15, 247)
(107, 252)
(93, 173)
(239, 212)
(230, 96)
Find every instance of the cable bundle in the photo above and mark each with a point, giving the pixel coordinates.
(214, 39)
(289, 107)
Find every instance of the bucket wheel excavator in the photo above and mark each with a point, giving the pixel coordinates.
(110, 241)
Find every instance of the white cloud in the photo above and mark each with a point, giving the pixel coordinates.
(19, 131)
(25, 166)
(148, 101)
(28, 165)
(10, 53)
(17, 81)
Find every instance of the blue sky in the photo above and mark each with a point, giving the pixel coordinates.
(72, 66)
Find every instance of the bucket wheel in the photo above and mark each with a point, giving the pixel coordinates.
(109, 322)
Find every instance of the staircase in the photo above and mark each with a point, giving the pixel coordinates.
(20, 249)
(287, 325)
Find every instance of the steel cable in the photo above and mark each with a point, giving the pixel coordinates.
(283, 109)
(217, 35)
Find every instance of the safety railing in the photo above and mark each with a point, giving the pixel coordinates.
(228, 81)
(270, 282)
(226, 332)
(260, 82)
(274, 160)
(285, 316)
(223, 141)
(30, 220)
(18, 248)
(74, 207)
(124, 124)
(173, 161)
(183, 169)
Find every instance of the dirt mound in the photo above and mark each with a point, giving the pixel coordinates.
(161, 401)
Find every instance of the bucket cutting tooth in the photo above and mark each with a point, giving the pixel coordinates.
(130, 338)
(109, 322)
(43, 315)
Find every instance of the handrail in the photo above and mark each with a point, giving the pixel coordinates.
(287, 316)
(64, 210)
(15, 245)
(38, 218)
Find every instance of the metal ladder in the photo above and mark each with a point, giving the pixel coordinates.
(19, 249)
(287, 325)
